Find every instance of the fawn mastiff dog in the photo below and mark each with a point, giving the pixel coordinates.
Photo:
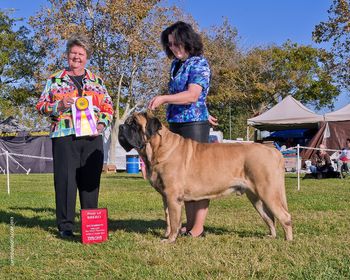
(184, 170)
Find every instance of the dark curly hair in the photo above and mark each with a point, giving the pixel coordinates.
(183, 35)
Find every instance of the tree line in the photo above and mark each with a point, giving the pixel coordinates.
(127, 54)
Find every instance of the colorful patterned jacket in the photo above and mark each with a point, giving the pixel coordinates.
(195, 70)
(60, 85)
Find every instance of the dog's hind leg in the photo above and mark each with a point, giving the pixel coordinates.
(277, 208)
(263, 211)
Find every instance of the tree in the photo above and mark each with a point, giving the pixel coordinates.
(125, 38)
(18, 62)
(337, 31)
(247, 84)
(221, 50)
(304, 72)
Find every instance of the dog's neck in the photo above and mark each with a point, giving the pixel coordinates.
(159, 145)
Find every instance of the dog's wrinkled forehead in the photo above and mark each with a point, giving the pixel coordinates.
(143, 123)
(137, 119)
(141, 119)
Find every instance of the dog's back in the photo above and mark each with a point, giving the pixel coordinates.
(248, 163)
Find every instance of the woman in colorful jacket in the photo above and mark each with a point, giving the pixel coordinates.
(80, 108)
(187, 112)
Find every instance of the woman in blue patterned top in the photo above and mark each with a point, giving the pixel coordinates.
(187, 112)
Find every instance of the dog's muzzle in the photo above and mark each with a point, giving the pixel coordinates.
(122, 138)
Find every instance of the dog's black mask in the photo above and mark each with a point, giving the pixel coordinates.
(131, 135)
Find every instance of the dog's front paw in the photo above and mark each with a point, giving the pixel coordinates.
(168, 240)
(167, 234)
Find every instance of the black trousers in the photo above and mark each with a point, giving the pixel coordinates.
(198, 131)
(77, 164)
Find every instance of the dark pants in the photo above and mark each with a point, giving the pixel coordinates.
(77, 163)
(198, 131)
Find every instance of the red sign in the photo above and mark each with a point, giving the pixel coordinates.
(94, 225)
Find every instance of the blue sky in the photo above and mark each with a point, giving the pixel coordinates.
(259, 22)
(262, 22)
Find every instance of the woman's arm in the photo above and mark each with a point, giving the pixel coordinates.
(189, 96)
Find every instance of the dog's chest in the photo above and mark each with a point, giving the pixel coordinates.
(157, 182)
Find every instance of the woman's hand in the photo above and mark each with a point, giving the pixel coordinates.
(100, 127)
(65, 103)
(156, 102)
(212, 120)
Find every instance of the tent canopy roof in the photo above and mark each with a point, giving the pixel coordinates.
(342, 114)
(289, 113)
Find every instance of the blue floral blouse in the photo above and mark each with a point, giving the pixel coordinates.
(195, 70)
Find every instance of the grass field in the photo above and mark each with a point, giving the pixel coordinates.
(235, 247)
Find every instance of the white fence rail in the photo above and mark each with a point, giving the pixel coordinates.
(10, 157)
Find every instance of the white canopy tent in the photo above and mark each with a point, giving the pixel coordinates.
(289, 113)
(342, 114)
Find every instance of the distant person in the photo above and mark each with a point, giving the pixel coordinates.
(321, 163)
(143, 168)
(290, 143)
(344, 157)
(77, 161)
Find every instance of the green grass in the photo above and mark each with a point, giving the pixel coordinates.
(235, 247)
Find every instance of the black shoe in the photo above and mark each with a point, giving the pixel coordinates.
(66, 233)
(183, 233)
(189, 233)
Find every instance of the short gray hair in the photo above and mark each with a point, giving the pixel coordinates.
(81, 41)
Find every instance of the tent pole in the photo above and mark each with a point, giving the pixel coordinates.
(298, 166)
(8, 172)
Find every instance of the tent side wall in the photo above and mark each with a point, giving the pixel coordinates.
(35, 146)
(314, 142)
(339, 132)
(335, 140)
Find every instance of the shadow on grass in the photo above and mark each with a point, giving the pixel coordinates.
(333, 175)
(240, 233)
(136, 225)
(155, 227)
(46, 224)
(24, 221)
(128, 177)
(36, 210)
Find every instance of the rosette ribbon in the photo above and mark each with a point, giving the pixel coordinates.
(84, 122)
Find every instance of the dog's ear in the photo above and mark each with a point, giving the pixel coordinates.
(153, 125)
